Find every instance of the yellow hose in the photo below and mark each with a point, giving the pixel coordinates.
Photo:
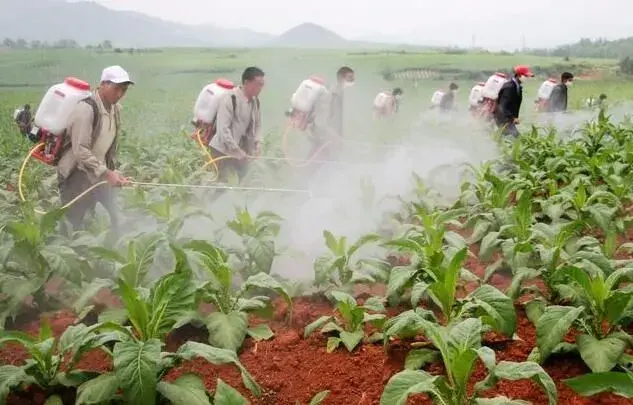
(21, 179)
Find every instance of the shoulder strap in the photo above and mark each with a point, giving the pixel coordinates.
(234, 102)
(95, 110)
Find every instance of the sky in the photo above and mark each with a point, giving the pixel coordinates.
(495, 24)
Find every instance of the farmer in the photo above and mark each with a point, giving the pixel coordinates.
(238, 124)
(24, 119)
(386, 103)
(509, 101)
(326, 123)
(89, 152)
(558, 98)
(448, 101)
(592, 102)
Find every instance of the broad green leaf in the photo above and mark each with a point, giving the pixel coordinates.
(595, 383)
(362, 241)
(417, 292)
(398, 279)
(171, 297)
(227, 331)
(11, 377)
(98, 390)
(374, 304)
(418, 358)
(600, 355)
(54, 400)
(136, 365)
(406, 383)
(331, 242)
(316, 325)
(552, 326)
(188, 389)
(262, 252)
(500, 401)
(498, 308)
(507, 370)
(351, 339)
(319, 398)
(227, 395)
(488, 245)
(265, 281)
(218, 356)
(260, 332)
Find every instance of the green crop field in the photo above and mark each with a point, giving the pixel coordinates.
(434, 263)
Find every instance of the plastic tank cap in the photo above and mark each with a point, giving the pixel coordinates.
(77, 83)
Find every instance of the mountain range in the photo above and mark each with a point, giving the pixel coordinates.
(91, 23)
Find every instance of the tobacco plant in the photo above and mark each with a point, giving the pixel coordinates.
(339, 267)
(349, 328)
(228, 325)
(459, 346)
(258, 241)
(603, 305)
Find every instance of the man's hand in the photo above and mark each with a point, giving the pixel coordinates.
(516, 121)
(115, 179)
(241, 155)
(258, 149)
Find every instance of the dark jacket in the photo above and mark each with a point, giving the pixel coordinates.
(509, 102)
(558, 99)
(447, 102)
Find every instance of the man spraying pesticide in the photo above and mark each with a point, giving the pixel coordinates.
(544, 93)
(476, 99)
(320, 111)
(238, 124)
(88, 149)
(509, 101)
(448, 101)
(386, 103)
(558, 98)
(23, 118)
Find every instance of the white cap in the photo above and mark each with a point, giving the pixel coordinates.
(115, 74)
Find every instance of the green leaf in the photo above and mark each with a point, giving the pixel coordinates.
(552, 326)
(351, 339)
(265, 281)
(595, 383)
(218, 356)
(600, 355)
(374, 304)
(320, 397)
(512, 371)
(188, 389)
(500, 401)
(332, 343)
(136, 365)
(98, 390)
(260, 332)
(227, 331)
(262, 252)
(316, 325)
(227, 395)
(398, 279)
(54, 400)
(498, 307)
(417, 292)
(171, 297)
(11, 377)
(331, 242)
(406, 383)
(418, 358)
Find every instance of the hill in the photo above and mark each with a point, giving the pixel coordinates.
(309, 35)
(90, 23)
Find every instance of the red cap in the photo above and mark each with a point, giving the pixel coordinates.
(76, 83)
(225, 84)
(523, 70)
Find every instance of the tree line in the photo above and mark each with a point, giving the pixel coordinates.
(106, 45)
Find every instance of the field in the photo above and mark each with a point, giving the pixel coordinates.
(432, 264)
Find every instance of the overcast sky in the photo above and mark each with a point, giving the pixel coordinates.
(494, 23)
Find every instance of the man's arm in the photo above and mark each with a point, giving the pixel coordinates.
(253, 135)
(224, 126)
(504, 103)
(80, 132)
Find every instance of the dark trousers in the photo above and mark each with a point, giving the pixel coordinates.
(76, 183)
(228, 167)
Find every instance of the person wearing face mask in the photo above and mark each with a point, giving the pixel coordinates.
(509, 101)
(326, 121)
(449, 101)
(386, 103)
(558, 98)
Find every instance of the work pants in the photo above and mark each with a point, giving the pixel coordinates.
(76, 183)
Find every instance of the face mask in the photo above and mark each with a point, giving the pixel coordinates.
(568, 84)
(347, 84)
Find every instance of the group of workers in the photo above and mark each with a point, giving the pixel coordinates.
(88, 154)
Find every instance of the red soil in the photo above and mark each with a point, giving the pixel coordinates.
(290, 368)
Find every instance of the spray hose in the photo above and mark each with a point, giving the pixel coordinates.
(212, 161)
